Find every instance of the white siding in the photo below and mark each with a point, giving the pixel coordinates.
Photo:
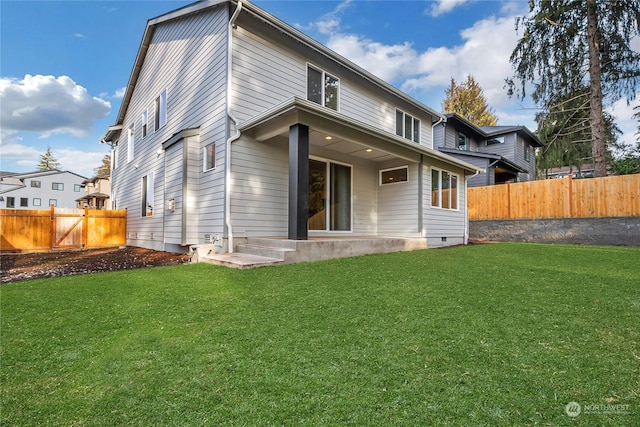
(187, 58)
(398, 204)
(174, 170)
(65, 198)
(447, 223)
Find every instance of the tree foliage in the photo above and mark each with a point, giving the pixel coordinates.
(570, 44)
(468, 101)
(566, 130)
(48, 162)
(105, 167)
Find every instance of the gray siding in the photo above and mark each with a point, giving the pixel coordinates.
(65, 198)
(187, 58)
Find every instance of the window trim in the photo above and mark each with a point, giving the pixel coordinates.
(415, 126)
(148, 188)
(160, 111)
(38, 203)
(36, 184)
(323, 86)
(24, 202)
(144, 119)
(205, 157)
(385, 183)
(440, 189)
(11, 202)
(131, 143)
(465, 146)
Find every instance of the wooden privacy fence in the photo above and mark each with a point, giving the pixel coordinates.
(56, 229)
(612, 196)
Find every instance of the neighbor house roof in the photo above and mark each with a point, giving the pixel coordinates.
(487, 132)
(113, 131)
(495, 159)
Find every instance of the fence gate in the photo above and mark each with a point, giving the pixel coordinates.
(68, 226)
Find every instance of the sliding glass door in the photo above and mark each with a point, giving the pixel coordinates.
(329, 196)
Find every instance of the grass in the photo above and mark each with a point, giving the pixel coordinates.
(488, 335)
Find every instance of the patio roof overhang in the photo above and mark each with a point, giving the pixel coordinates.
(347, 135)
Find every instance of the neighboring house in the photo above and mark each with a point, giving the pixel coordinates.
(236, 125)
(39, 190)
(505, 153)
(97, 193)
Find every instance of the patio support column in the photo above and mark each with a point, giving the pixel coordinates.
(298, 181)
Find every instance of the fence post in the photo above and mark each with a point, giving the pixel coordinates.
(509, 200)
(85, 226)
(52, 210)
(570, 195)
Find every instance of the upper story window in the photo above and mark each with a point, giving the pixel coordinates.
(24, 202)
(160, 110)
(131, 141)
(11, 202)
(114, 158)
(144, 121)
(527, 155)
(322, 88)
(463, 141)
(77, 187)
(497, 140)
(35, 184)
(57, 186)
(407, 126)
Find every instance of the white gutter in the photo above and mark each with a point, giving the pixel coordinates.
(227, 167)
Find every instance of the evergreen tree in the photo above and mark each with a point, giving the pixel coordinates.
(567, 43)
(48, 162)
(105, 167)
(468, 101)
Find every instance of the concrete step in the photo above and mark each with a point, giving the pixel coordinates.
(264, 251)
(239, 260)
(274, 242)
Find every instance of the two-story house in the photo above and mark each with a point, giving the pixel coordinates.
(40, 189)
(97, 192)
(504, 153)
(237, 126)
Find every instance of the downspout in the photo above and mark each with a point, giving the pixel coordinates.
(466, 206)
(442, 119)
(227, 173)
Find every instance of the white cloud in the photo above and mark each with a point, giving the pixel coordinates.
(441, 7)
(484, 55)
(119, 93)
(389, 62)
(48, 105)
(78, 161)
(623, 114)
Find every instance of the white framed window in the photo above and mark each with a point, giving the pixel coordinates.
(77, 187)
(407, 126)
(210, 157)
(37, 201)
(444, 189)
(35, 184)
(59, 186)
(463, 142)
(147, 195)
(394, 175)
(322, 88)
(131, 142)
(53, 202)
(144, 121)
(160, 110)
(114, 158)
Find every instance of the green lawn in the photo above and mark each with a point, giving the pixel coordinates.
(483, 335)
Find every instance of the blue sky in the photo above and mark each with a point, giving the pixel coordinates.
(64, 64)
